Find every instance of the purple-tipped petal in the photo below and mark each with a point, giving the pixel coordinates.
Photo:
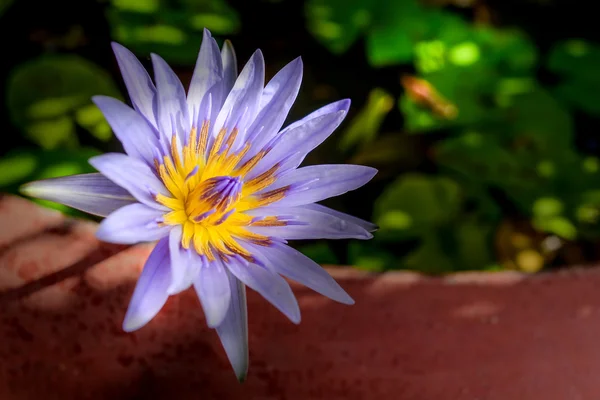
(133, 175)
(318, 182)
(288, 262)
(241, 104)
(309, 224)
(132, 224)
(275, 103)
(150, 292)
(270, 285)
(92, 193)
(183, 270)
(230, 68)
(139, 85)
(212, 287)
(207, 78)
(173, 114)
(233, 331)
(340, 105)
(298, 142)
(138, 137)
(366, 225)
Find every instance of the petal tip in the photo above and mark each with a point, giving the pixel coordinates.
(258, 56)
(298, 62)
(155, 57)
(121, 52)
(211, 322)
(38, 189)
(342, 297)
(117, 47)
(241, 377)
(347, 300)
(99, 99)
(93, 161)
(132, 324)
(371, 172)
(296, 319)
(28, 189)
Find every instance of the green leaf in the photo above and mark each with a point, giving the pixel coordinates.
(580, 94)
(463, 65)
(526, 149)
(138, 6)
(371, 257)
(4, 5)
(48, 96)
(16, 168)
(389, 45)
(537, 116)
(548, 217)
(391, 29)
(575, 58)
(464, 54)
(91, 118)
(216, 15)
(508, 50)
(476, 155)
(397, 27)
(578, 62)
(429, 257)
(338, 23)
(587, 213)
(559, 225)
(415, 203)
(365, 125)
(171, 29)
(547, 207)
(429, 209)
(474, 240)
(392, 149)
(319, 252)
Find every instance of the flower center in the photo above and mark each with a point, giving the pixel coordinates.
(209, 194)
(215, 196)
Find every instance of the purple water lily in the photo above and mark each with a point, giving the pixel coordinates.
(212, 177)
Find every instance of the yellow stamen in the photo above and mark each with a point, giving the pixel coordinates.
(203, 142)
(209, 195)
(263, 180)
(251, 163)
(217, 144)
(231, 139)
(269, 221)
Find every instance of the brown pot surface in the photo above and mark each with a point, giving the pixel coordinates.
(499, 336)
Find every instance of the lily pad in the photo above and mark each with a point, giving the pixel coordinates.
(48, 96)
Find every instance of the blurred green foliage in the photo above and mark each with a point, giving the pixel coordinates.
(475, 127)
(49, 96)
(4, 4)
(171, 29)
(499, 130)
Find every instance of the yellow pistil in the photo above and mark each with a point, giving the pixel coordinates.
(209, 194)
